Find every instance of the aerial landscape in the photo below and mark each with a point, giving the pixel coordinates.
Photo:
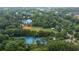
(39, 29)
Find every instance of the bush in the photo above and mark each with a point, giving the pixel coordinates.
(44, 33)
(15, 45)
(60, 45)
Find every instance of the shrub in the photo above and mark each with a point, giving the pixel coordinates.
(60, 45)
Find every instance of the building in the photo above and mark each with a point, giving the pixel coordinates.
(76, 15)
(26, 24)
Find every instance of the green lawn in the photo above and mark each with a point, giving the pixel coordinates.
(42, 29)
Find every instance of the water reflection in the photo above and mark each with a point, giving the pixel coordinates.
(31, 39)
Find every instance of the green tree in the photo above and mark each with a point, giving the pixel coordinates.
(15, 45)
(60, 45)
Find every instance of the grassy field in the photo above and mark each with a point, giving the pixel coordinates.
(41, 29)
(33, 29)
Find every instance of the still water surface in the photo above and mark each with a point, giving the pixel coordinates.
(31, 39)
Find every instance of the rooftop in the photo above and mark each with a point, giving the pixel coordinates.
(75, 13)
(27, 21)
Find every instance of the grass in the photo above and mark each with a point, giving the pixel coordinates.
(77, 17)
(41, 29)
(35, 29)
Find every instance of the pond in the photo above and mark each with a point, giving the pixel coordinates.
(31, 39)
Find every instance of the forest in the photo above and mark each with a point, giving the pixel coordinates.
(57, 28)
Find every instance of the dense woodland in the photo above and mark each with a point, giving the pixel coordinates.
(63, 36)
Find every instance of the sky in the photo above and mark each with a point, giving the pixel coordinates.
(39, 3)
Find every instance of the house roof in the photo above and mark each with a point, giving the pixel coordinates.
(75, 13)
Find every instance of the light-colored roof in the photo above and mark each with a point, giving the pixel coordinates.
(27, 21)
